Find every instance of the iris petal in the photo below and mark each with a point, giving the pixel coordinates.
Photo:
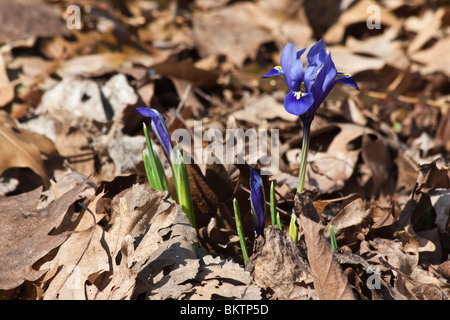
(330, 76)
(277, 71)
(287, 61)
(316, 58)
(324, 81)
(310, 75)
(347, 79)
(159, 127)
(296, 75)
(257, 200)
(308, 88)
(298, 103)
(317, 53)
(300, 53)
(288, 56)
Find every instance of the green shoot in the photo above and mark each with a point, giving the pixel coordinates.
(274, 214)
(273, 204)
(148, 171)
(240, 230)
(279, 221)
(293, 230)
(181, 180)
(153, 167)
(334, 245)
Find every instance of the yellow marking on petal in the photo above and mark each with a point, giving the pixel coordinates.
(298, 95)
(302, 87)
(342, 75)
(278, 68)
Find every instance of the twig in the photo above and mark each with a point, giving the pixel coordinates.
(183, 98)
(397, 270)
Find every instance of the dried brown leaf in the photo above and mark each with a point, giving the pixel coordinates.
(25, 231)
(388, 50)
(330, 282)
(186, 70)
(329, 170)
(38, 20)
(376, 155)
(79, 258)
(260, 109)
(349, 222)
(428, 291)
(103, 257)
(165, 260)
(391, 251)
(223, 279)
(277, 265)
(434, 175)
(345, 59)
(352, 215)
(428, 30)
(17, 151)
(226, 31)
(357, 14)
(435, 58)
(444, 269)
(6, 88)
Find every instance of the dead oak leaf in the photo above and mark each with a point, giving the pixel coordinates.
(16, 149)
(165, 259)
(6, 88)
(358, 14)
(230, 31)
(277, 265)
(95, 263)
(38, 18)
(25, 233)
(350, 220)
(79, 258)
(435, 58)
(330, 282)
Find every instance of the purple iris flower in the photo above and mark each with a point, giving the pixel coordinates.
(308, 87)
(257, 200)
(159, 127)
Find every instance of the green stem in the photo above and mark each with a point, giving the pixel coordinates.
(304, 157)
(293, 230)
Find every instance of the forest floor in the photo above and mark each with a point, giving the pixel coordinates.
(78, 219)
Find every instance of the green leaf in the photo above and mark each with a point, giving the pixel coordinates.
(273, 204)
(162, 176)
(181, 180)
(148, 170)
(153, 166)
(152, 163)
(240, 230)
(334, 245)
(279, 221)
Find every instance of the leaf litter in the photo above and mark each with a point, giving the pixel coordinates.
(79, 221)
